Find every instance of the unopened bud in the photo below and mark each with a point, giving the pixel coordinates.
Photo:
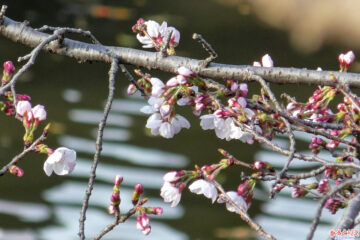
(118, 180)
(138, 190)
(9, 67)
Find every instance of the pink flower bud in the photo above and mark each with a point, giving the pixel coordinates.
(341, 59)
(15, 170)
(158, 210)
(23, 97)
(115, 198)
(267, 61)
(259, 165)
(349, 58)
(131, 89)
(118, 180)
(39, 112)
(139, 188)
(23, 107)
(9, 67)
(186, 72)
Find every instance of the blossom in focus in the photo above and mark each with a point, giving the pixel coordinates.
(39, 112)
(156, 33)
(62, 161)
(237, 199)
(170, 193)
(204, 187)
(346, 59)
(225, 128)
(23, 107)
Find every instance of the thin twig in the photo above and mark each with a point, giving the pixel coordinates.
(32, 147)
(99, 139)
(208, 48)
(244, 216)
(34, 53)
(323, 202)
(131, 79)
(163, 50)
(84, 33)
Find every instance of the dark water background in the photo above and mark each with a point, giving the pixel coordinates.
(74, 95)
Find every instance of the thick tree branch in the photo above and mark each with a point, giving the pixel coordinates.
(347, 221)
(20, 32)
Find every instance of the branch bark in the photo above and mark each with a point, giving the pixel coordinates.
(84, 52)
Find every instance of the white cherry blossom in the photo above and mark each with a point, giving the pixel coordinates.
(62, 161)
(170, 194)
(267, 61)
(204, 187)
(39, 112)
(237, 199)
(23, 107)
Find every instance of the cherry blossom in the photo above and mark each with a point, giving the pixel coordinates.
(23, 107)
(143, 223)
(156, 33)
(39, 112)
(267, 61)
(237, 199)
(170, 193)
(204, 187)
(62, 161)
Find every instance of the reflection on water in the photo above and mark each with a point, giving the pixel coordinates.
(96, 220)
(27, 212)
(73, 192)
(94, 117)
(127, 152)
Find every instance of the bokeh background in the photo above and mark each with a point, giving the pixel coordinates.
(296, 33)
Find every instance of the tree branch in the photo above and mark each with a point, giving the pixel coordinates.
(112, 73)
(83, 52)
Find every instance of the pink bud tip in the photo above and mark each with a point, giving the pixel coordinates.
(139, 188)
(118, 180)
(185, 72)
(158, 210)
(9, 67)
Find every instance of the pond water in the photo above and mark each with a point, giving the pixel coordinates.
(41, 207)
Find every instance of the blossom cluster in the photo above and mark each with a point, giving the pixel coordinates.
(203, 184)
(62, 160)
